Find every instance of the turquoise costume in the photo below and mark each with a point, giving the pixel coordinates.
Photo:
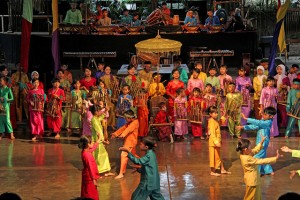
(5, 124)
(149, 183)
(291, 100)
(263, 127)
(126, 19)
(183, 76)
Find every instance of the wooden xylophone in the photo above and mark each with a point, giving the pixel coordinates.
(104, 54)
(218, 53)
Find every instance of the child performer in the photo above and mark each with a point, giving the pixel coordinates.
(243, 84)
(142, 112)
(100, 154)
(131, 78)
(295, 154)
(130, 133)
(263, 133)
(258, 84)
(150, 182)
(124, 103)
(194, 101)
(291, 101)
(293, 73)
(171, 89)
(156, 88)
(6, 96)
(180, 115)
(90, 172)
(162, 118)
(194, 82)
(87, 118)
(282, 83)
(249, 164)
(104, 112)
(215, 143)
(55, 97)
(202, 75)
(75, 120)
(36, 98)
(100, 70)
(224, 78)
(212, 79)
(268, 98)
(209, 97)
(88, 80)
(233, 105)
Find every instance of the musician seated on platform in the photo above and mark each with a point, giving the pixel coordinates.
(165, 10)
(73, 15)
(98, 14)
(105, 20)
(126, 19)
(212, 20)
(136, 21)
(190, 20)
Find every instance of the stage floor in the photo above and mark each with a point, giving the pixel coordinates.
(50, 169)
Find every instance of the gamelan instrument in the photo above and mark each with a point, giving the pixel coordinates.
(152, 57)
(282, 96)
(38, 102)
(180, 111)
(98, 95)
(211, 53)
(77, 104)
(135, 89)
(245, 96)
(115, 89)
(141, 99)
(157, 17)
(2, 109)
(104, 54)
(295, 110)
(125, 105)
(53, 108)
(196, 111)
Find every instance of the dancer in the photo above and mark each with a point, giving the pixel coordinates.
(150, 182)
(162, 118)
(249, 164)
(263, 127)
(295, 154)
(180, 114)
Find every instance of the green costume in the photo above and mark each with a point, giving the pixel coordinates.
(183, 75)
(100, 154)
(126, 19)
(149, 183)
(75, 120)
(233, 104)
(73, 17)
(214, 81)
(7, 95)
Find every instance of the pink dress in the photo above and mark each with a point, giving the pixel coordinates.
(36, 116)
(86, 123)
(268, 98)
(193, 83)
(171, 90)
(222, 80)
(181, 126)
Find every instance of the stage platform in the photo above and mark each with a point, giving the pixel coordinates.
(164, 69)
(51, 169)
(40, 49)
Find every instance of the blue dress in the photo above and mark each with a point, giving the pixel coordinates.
(123, 105)
(263, 127)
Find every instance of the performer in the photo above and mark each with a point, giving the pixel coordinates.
(63, 83)
(156, 88)
(293, 95)
(282, 83)
(73, 15)
(55, 98)
(194, 101)
(164, 9)
(131, 79)
(145, 75)
(104, 20)
(224, 78)
(130, 134)
(295, 154)
(212, 20)
(190, 20)
(88, 80)
(171, 89)
(100, 154)
(249, 164)
(202, 75)
(182, 72)
(87, 118)
(112, 84)
(268, 98)
(36, 98)
(263, 134)
(142, 112)
(125, 102)
(244, 84)
(194, 82)
(232, 106)
(126, 19)
(6, 97)
(214, 132)
(209, 97)
(19, 80)
(149, 185)
(265, 63)
(67, 74)
(35, 75)
(98, 15)
(180, 114)
(104, 111)
(136, 21)
(293, 72)
(164, 132)
(258, 83)
(90, 172)
(212, 79)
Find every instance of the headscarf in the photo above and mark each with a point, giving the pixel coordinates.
(280, 77)
(261, 77)
(34, 73)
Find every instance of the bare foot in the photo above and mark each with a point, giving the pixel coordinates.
(12, 137)
(109, 174)
(57, 136)
(119, 176)
(272, 174)
(286, 136)
(214, 174)
(225, 172)
(34, 139)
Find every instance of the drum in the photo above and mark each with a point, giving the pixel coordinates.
(154, 18)
(38, 103)
(176, 20)
(196, 109)
(180, 111)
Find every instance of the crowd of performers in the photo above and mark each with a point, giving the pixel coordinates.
(203, 102)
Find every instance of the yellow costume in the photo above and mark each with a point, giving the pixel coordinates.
(251, 173)
(153, 92)
(214, 138)
(201, 76)
(20, 101)
(257, 86)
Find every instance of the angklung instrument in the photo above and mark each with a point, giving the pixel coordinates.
(282, 96)
(38, 102)
(53, 107)
(2, 109)
(180, 111)
(295, 110)
(196, 111)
